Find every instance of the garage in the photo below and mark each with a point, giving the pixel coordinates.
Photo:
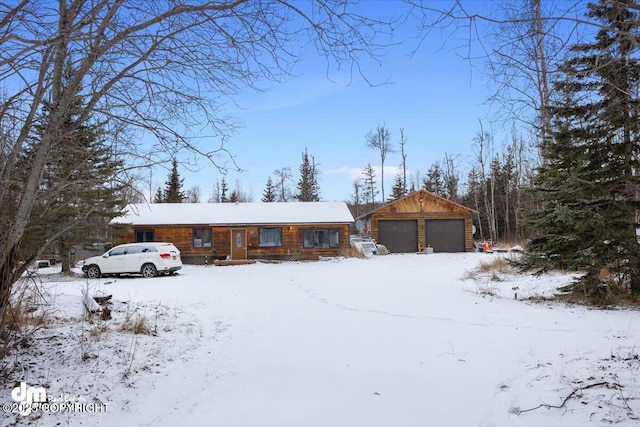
(445, 235)
(399, 236)
(418, 220)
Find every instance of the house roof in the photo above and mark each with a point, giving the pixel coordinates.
(235, 213)
(420, 193)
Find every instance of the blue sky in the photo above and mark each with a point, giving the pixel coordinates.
(435, 95)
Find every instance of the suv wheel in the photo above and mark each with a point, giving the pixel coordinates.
(93, 272)
(149, 270)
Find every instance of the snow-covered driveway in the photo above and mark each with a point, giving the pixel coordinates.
(401, 340)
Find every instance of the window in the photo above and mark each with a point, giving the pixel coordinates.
(139, 249)
(270, 237)
(322, 238)
(144, 236)
(201, 237)
(116, 251)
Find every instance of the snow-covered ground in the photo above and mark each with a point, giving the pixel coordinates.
(399, 340)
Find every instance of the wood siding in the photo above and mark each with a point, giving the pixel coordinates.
(431, 207)
(292, 240)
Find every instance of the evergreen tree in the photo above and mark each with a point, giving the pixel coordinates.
(223, 191)
(398, 189)
(308, 183)
(587, 184)
(239, 195)
(158, 196)
(433, 181)
(173, 186)
(79, 193)
(269, 194)
(369, 190)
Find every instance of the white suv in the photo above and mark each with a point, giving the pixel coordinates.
(148, 259)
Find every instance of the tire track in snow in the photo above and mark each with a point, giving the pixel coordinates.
(313, 295)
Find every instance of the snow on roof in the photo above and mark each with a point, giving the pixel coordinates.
(235, 213)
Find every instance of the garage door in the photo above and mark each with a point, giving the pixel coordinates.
(398, 236)
(445, 235)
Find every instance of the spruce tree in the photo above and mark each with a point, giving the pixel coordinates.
(173, 186)
(588, 181)
(398, 189)
(79, 191)
(269, 195)
(308, 182)
(369, 190)
(223, 191)
(158, 197)
(433, 181)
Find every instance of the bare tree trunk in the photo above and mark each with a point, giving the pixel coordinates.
(381, 141)
(451, 178)
(483, 152)
(403, 142)
(491, 206)
(518, 146)
(476, 198)
(542, 81)
(9, 271)
(65, 256)
(507, 206)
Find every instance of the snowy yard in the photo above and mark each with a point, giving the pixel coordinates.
(400, 340)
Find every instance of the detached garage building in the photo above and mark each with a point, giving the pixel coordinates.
(419, 220)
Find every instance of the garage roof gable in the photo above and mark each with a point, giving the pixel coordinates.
(420, 201)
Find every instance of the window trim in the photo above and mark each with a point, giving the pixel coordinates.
(203, 242)
(328, 231)
(144, 232)
(264, 245)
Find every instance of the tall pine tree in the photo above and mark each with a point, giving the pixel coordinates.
(224, 188)
(269, 195)
(172, 192)
(588, 182)
(79, 191)
(308, 183)
(369, 190)
(433, 182)
(398, 189)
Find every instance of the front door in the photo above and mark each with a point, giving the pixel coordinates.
(238, 243)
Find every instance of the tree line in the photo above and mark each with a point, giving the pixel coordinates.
(277, 188)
